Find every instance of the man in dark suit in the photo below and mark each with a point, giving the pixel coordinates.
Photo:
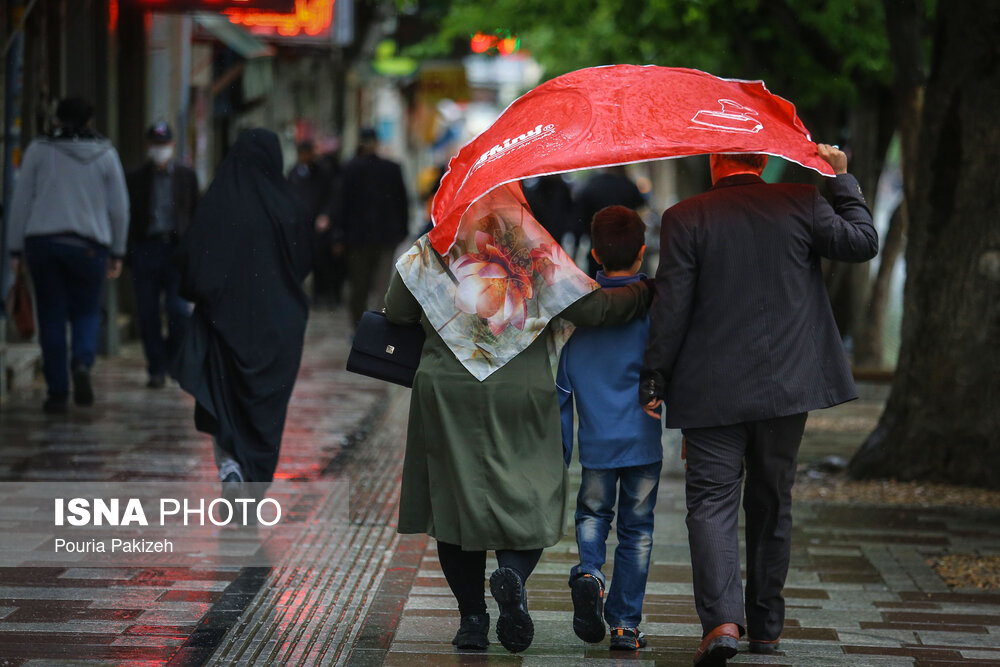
(374, 215)
(163, 196)
(316, 180)
(742, 345)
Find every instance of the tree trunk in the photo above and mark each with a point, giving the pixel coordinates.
(942, 421)
(869, 347)
(904, 27)
(870, 130)
(869, 350)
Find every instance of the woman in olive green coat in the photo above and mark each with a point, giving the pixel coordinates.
(484, 466)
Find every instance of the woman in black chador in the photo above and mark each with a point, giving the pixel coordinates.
(243, 261)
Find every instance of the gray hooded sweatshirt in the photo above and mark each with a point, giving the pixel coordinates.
(70, 186)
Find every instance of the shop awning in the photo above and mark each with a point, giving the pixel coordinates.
(233, 36)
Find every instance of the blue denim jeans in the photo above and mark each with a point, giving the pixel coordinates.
(67, 277)
(636, 489)
(154, 277)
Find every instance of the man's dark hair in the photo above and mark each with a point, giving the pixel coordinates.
(755, 161)
(74, 112)
(617, 233)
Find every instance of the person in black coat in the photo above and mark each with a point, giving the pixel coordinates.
(374, 218)
(610, 186)
(163, 195)
(243, 261)
(551, 202)
(742, 346)
(316, 180)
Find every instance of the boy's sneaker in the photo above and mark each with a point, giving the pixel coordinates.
(588, 608)
(514, 627)
(627, 639)
(473, 632)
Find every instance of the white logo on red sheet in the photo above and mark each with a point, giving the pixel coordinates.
(734, 117)
(513, 143)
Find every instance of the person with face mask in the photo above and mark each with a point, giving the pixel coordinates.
(163, 195)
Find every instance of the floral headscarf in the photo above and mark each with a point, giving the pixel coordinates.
(502, 282)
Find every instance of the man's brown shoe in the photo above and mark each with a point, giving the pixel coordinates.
(718, 646)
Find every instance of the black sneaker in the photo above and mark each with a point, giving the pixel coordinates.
(588, 608)
(83, 392)
(514, 627)
(55, 405)
(473, 633)
(627, 639)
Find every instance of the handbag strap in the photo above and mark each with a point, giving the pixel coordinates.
(444, 266)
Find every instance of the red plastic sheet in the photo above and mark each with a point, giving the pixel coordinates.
(618, 114)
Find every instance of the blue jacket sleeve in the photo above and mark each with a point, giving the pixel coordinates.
(565, 390)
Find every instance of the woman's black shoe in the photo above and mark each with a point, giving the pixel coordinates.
(473, 632)
(588, 608)
(514, 627)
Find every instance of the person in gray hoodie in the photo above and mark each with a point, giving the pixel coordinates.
(69, 220)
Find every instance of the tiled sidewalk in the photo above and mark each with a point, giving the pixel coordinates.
(860, 592)
(156, 615)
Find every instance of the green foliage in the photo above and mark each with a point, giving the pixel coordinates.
(820, 53)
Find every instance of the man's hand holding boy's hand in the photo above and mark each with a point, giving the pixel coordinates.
(652, 387)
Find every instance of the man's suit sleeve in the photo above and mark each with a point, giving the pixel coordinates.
(670, 314)
(844, 231)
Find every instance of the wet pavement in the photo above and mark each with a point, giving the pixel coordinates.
(860, 591)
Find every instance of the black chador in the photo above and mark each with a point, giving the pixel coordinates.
(243, 262)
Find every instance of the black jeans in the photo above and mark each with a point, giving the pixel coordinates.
(155, 278)
(716, 460)
(466, 571)
(68, 275)
(368, 270)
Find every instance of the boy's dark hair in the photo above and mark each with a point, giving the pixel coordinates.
(617, 233)
(74, 112)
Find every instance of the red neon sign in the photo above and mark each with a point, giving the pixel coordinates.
(215, 5)
(503, 42)
(311, 17)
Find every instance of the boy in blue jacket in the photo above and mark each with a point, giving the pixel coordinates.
(620, 448)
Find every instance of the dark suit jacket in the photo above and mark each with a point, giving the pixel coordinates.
(741, 325)
(374, 207)
(140, 186)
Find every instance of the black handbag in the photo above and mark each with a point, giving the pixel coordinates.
(386, 351)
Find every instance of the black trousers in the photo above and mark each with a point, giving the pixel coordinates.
(368, 270)
(716, 460)
(466, 572)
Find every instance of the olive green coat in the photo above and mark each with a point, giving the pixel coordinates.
(484, 460)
